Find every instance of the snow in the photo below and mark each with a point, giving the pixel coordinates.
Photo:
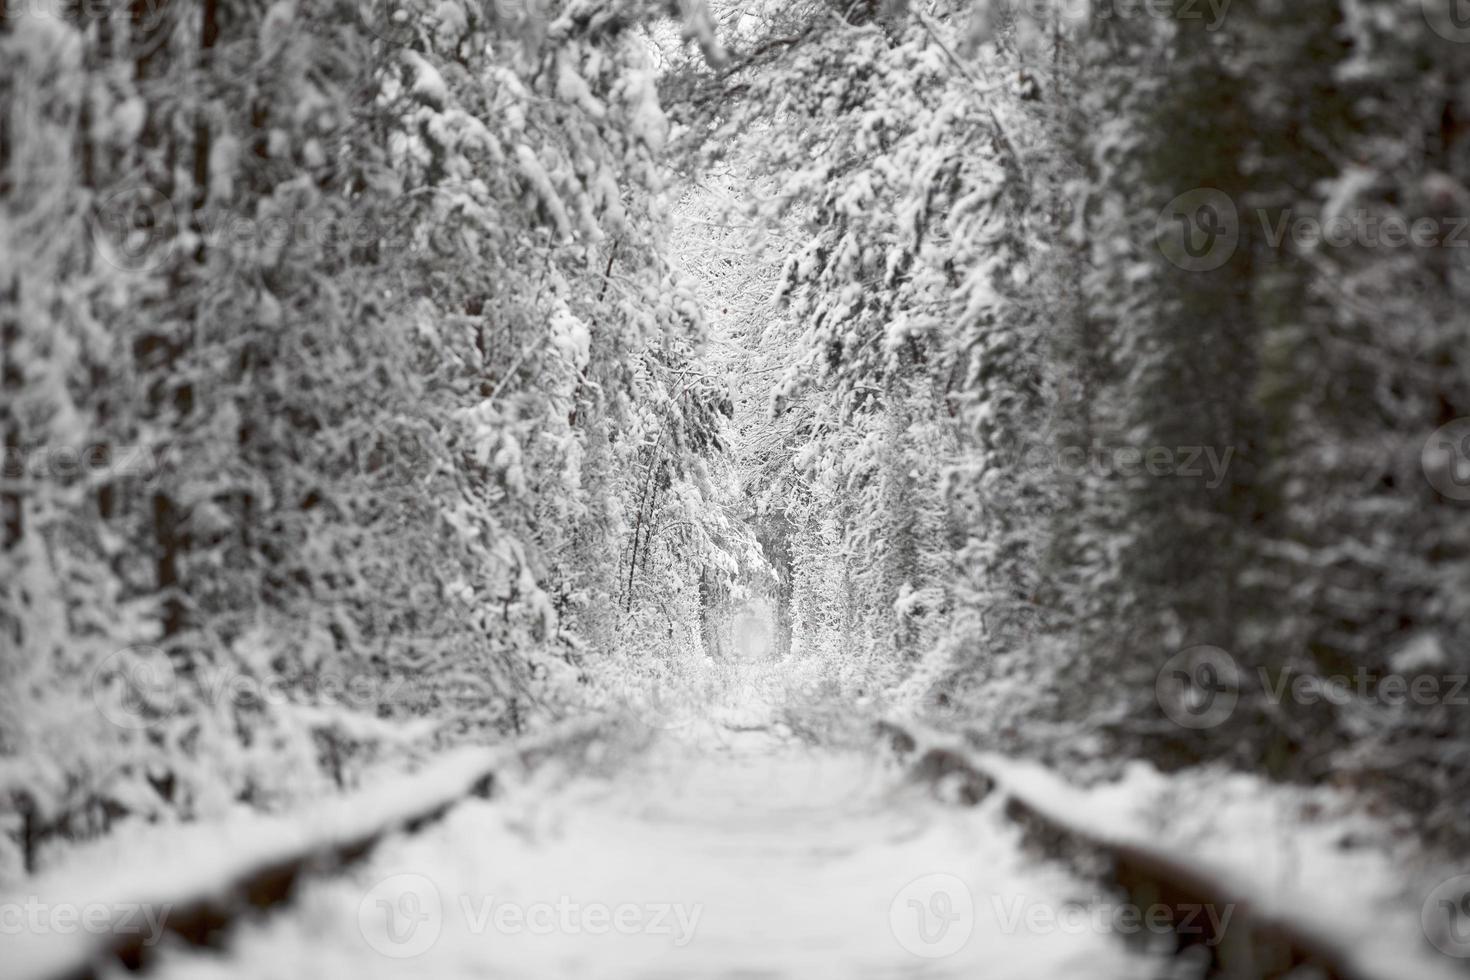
(723, 848)
(646, 120)
(453, 21)
(570, 337)
(536, 176)
(1422, 653)
(428, 84)
(1280, 849)
(774, 860)
(173, 865)
(962, 249)
(572, 88)
(1309, 855)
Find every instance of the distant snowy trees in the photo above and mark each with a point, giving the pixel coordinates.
(910, 322)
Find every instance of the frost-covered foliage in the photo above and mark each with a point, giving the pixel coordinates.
(1031, 445)
(360, 320)
(1318, 366)
(916, 371)
(352, 376)
(723, 252)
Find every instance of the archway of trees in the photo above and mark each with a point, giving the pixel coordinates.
(379, 376)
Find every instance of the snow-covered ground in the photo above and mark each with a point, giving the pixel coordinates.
(722, 845)
(1309, 856)
(748, 858)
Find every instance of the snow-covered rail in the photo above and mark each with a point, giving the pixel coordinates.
(1267, 935)
(218, 876)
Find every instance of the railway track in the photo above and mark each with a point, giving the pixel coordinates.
(752, 857)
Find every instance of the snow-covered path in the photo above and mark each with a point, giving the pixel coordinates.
(750, 859)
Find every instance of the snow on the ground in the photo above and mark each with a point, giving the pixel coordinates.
(738, 859)
(133, 881)
(1308, 855)
(728, 849)
(1313, 854)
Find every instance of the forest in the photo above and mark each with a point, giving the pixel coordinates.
(1073, 387)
